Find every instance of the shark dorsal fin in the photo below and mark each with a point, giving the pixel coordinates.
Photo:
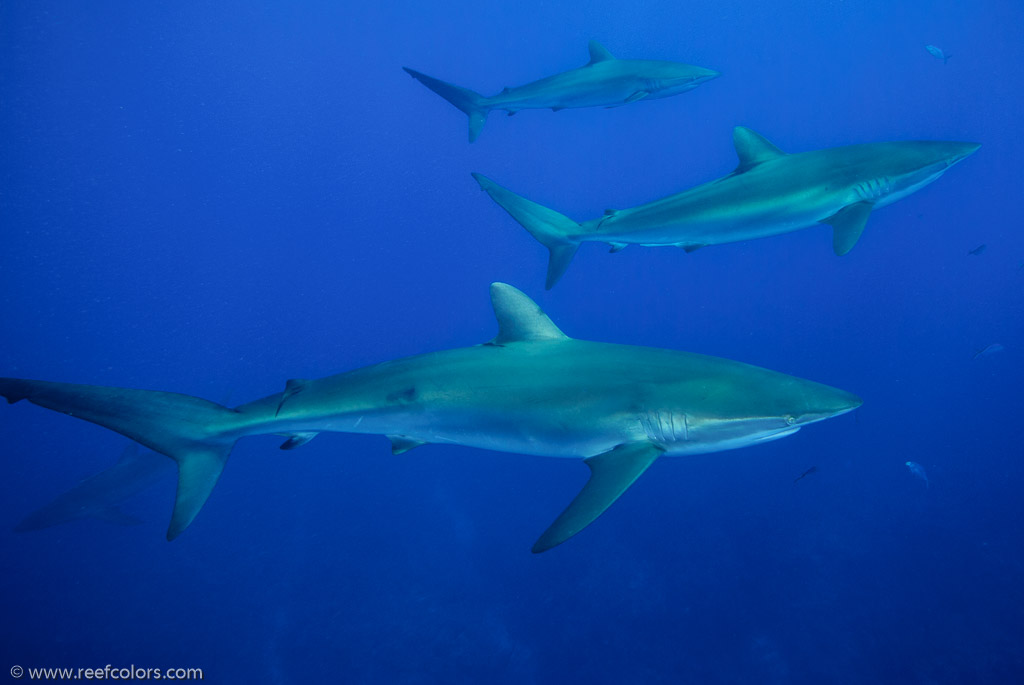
(598, 53)
(752, 148)
(519, 317)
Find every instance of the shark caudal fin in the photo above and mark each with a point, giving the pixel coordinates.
(187, 429)
(554, 231)
(473, 104)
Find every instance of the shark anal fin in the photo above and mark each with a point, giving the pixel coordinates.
(400, 444)
(691, 248)
(611, 474)
(617, 247)
(557, 109)
(598, 53)
(293, 386)
(847, 225)
(297, 440)
(752, 148)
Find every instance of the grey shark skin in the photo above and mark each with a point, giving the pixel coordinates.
(98, 496)
(603, 82)
(530, 390)
(769, 193)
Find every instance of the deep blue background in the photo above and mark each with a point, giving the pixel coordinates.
(211, 198)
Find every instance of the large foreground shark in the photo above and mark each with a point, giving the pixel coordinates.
(603, 82)
(530, 390)
(769, 193)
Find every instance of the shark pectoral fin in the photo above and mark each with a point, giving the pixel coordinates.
(116, 516)
(617, 247)
(847, 225)
(400, 444)
(297, 440)
(293, 386)
(611, 474)
(198, 472)
(752, 148)
(519, 317)
(598, 53)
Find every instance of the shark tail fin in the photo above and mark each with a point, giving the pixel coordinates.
(191, 431)
(555, 231)
(468, 101)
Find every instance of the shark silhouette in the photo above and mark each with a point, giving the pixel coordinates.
(531, 390)
(604, 81)
(769, 193)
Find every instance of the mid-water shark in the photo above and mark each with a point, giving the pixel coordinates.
(769, 193)
(604, 81)
(99, 495)
(530, 390)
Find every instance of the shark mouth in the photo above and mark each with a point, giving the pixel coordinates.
(778, 434)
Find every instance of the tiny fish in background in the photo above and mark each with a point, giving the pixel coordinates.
(986, 351)
(918, 471)
(978, 250)
(938, 53)
(806, 473)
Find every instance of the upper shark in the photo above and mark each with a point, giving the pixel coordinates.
(769, 193)
(603, 82)
(531, 390)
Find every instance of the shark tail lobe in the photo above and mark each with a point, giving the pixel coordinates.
(472, 103)
(193, 432)
(554, 231)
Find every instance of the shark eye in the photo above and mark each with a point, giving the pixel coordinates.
(790, 420)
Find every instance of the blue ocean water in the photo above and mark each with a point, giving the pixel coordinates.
(213, 198)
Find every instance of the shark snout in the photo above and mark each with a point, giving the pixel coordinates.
(703, 75)
(960, 151)
(828, 402)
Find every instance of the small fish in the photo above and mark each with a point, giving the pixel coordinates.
(806, 473)
(938, 53)
(918, 472)
(978, 250)
(991, 349)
